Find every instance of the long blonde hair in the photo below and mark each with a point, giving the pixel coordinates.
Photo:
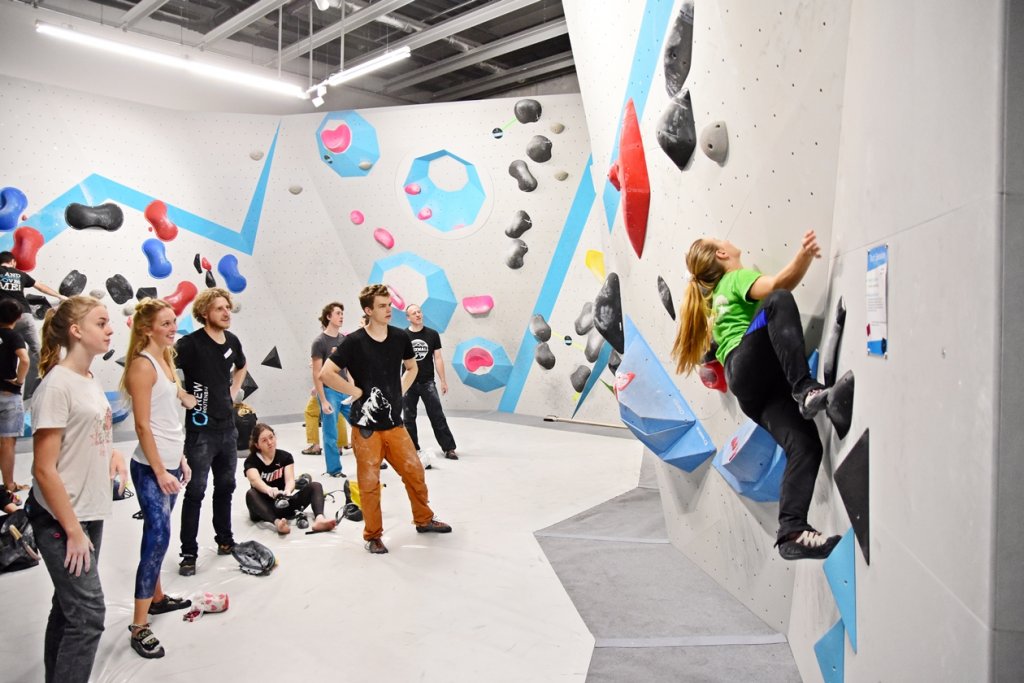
(142, 322)
(57, 324)
(693, 338)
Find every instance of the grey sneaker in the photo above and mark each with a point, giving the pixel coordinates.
(809, 545)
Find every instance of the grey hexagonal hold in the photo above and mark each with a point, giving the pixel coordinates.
(714, 141)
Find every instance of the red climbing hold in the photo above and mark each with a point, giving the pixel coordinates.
(27, 242)
(156, 214)
(636, 186)
(182, 296)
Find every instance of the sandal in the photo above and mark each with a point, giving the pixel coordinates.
(313, 450)
(168, 604)
(144, 642)
(15, 487)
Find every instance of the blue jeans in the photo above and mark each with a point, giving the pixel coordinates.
(156, 527)
(204, 451)
(330, 427)
(432, 402)
(77, 610)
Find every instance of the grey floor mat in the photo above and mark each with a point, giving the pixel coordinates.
(637, 593)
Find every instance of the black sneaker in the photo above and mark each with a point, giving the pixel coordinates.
(225, 548)
(434, 526)
(187, 566)
(168, 604)
(376, 546)
(814, 402)
(809, 545)
(337, 474)
(145, 643)
(451, 455)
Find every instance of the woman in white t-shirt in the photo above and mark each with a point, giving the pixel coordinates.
(73, 464)
(158, 465)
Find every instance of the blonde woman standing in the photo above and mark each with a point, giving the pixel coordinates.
(72, 467)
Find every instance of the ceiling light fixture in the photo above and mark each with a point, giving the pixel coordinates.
(207, 70)
(358, 70)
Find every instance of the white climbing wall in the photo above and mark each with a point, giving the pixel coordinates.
(871, 123)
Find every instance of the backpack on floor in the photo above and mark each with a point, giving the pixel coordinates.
(17, 543)
(245, 422)
(254, 558)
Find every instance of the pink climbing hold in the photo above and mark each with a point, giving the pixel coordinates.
(413, 188)
(477, 358)
(357, 217)
(622, 380)
(478, 305)
(337, 139)
(384, 239)
(424, 213)
(206, 264)
(396, 299)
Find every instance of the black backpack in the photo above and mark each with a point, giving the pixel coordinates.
(245, 422)
(17, 543)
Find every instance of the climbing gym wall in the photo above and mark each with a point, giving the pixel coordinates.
(467, 209)
(740, 120)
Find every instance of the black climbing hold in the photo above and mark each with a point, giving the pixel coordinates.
(608, 313)
(497, 133)
(273, 360)
(585, 320)
(120, 361)
(579, 377)
(248, 386)
(830, 347)
(108, 354)
(39, 305)
(197, 263)
(119, 288)
(107, 216)
(614, 361)
(542, 354)
(852, 481)
(211, 281)
(144, 292)
(666, 297)
(527, 111)
(72, 284)
(568, 340)
(539, 328)
(679, 50)
(539, 149)
(521, 172)
(676, 131)
(521, 222)
(840, 404)
(514, 257)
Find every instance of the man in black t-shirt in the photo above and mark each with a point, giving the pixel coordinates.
(14, 365)
(13, 283)
(214, 367)
(374, 357)
(426, 344)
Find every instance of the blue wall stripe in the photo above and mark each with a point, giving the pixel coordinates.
(575, 222)
(95, 189)
(595, 375)
(649, 42)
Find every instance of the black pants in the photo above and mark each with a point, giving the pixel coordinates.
(209, 451)
(769, 376)
(432, 402)
(261, 506)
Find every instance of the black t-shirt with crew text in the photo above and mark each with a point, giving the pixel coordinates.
(208, 367)
(272, 474)
(375, 367)
(424, 343)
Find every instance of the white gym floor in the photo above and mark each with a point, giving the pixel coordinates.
(480, 604)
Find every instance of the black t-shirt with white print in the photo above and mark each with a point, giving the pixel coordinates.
(272, 474)
(375, 367)
(13, 283)
(424, 343)
(208, 367)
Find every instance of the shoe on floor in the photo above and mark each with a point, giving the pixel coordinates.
(337, 474)
(435, 526)
(145, 643)
(187, 566)
(225, 548)
(814, 402)
(376, 546)
(451, 455)
(168, 604)
(809, 545)
(313, 449)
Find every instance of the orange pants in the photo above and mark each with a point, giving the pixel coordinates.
(395, 446)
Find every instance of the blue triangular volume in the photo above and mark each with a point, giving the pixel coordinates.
(752, 463)
(840, 570)
(831, 654)
(653, 408)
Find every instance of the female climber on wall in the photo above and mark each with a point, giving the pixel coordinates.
(755, 322)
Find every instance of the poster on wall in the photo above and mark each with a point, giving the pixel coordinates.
(877, 317)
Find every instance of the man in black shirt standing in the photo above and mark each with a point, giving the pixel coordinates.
(214, 367)
(426, 344)
(374, 357)
(13, 283)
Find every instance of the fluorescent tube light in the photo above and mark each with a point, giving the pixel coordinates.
(372, 65)
(198, 68)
